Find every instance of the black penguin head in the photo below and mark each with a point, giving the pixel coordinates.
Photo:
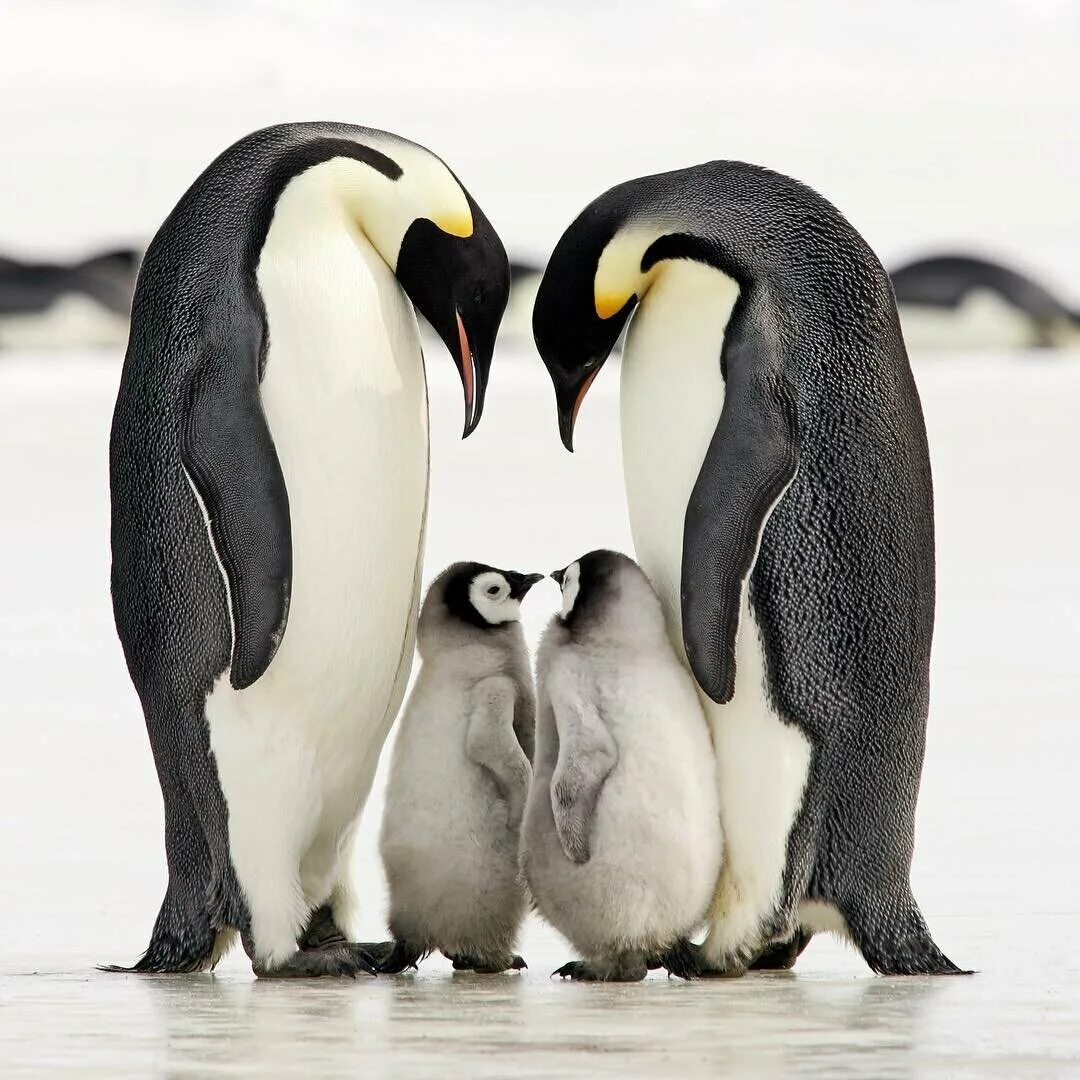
(484, 596)
(607, 595)
(575, 330)
(590, 585)
(458, 278)
(745, 221)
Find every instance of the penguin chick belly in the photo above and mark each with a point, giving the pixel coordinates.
(345, 400)
(449, 854)
(655, 842)
(672, 396)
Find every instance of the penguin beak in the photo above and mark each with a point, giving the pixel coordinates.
(472, 379)
(568, 397)
(557, 576)
(520, 584)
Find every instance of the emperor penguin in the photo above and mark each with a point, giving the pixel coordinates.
(46, 305)
(459, 776)
(957, 301)
(780, 499)
(269, 469)
(621, 843)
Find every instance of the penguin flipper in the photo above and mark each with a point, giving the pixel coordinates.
(587, 754)
(752, 458)
(230, 459)
(492, 744)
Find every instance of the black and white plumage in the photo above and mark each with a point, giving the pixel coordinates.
(459, 776)
(780, 497)
(621, 843)
(962, 301)
(269, 469)
(66, 305)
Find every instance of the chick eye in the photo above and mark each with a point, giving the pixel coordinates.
(493, 590)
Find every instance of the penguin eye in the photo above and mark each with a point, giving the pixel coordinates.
(493, 590)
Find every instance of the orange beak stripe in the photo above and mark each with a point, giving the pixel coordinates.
(581, 395)
(466, 366)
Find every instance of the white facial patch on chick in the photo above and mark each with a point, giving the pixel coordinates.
(490, 595)
(571, 585)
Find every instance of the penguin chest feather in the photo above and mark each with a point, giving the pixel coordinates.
(344, 396)
(672, 396)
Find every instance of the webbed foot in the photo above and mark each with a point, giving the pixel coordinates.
(342, 961)
(486, 966)
(394, 957)
(625, 969)
(781, 955)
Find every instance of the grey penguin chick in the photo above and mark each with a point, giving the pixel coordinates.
(621, 843)
(459, 777)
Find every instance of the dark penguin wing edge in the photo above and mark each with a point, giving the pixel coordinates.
(750, 462)
(229, 456)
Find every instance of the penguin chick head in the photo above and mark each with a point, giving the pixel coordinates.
(606, 593)
(479, 595)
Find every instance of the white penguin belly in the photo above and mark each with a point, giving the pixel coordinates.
(983, 320)
(672, 396)
(345, 399)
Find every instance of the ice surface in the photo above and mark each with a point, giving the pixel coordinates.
(997, 870)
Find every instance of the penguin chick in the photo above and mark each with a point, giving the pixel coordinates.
(459, 777)
(621, 843)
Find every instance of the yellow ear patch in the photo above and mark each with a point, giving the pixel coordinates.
(608, 304)
(456, 224)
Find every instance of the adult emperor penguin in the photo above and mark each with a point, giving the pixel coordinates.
(780, 499)
(269, 466)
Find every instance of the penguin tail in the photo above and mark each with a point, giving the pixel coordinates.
(899, 944)
(179, 944)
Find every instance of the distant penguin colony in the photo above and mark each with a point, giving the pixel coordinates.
(459, 777)
(621, 844)
(780, 499)
(269, 467)
(725, 737)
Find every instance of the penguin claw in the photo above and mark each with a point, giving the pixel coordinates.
(576, 970)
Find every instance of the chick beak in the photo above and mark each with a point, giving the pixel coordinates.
(520, 584)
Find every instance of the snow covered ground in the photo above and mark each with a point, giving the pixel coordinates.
(997, 870)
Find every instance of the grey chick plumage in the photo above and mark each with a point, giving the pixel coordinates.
(459, 777)
(621, 842)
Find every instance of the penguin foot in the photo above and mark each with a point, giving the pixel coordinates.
(394, 957)
(464, 962)
(343, 961)
(691, 959)
(678, 960)
(621, 971)
(321, 930)
(781, 955)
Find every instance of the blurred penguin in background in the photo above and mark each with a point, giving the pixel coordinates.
(84, 304)
(962, 302)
